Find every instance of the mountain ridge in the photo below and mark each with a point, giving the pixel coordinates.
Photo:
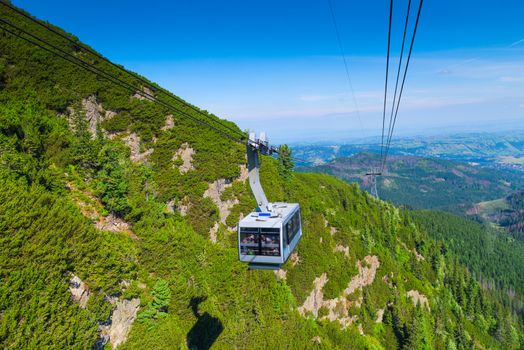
(67, 166)
(426, 183)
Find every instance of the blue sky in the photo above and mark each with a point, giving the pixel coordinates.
(275, 65)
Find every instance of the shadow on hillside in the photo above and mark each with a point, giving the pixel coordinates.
(206, 330)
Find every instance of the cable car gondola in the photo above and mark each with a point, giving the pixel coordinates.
(267, 236)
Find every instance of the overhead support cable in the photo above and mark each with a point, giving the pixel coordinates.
(343, 54)
(120, 68)
(387, 75)
(399, 68)
(402, 85)
(45, 45)
(101, 73)
(348, 75)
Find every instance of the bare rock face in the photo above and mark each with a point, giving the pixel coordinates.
(170, 123)
(213, 232)
(170, 206)
(214, 192)
(366, 274)
(110, 115)
(183, 206)
(342, 249)
(244, 173)
(79, 291)
(380, 315)
(145, 94)
(338, 308)
(133, 142)
(90, 207)
(123, 316)
(316, 339)
(185, 153)
(93, 111)
(418, 298)
(295, 259)
(113, 224)
(281, 274)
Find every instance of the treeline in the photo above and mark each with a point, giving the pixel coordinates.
(513, 218)
(494, 258)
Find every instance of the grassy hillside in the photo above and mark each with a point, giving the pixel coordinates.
(140, 204)
(427, 183)
(507, 213)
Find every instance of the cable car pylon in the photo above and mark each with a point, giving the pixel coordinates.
(373, 182)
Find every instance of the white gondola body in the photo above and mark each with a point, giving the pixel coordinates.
(266, 240)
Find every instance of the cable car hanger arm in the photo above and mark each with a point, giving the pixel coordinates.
(253, 147)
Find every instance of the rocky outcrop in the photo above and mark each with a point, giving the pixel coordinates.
(281, 274)
(213, 232)
(315, 300)
(145, 95)
(91, 207)
(366, 274)
(112, 223)
(380, 315)
(316, 339)
(185, 153)
(244, 174)
(93, 112)
(338, 308)
(169, 124)
(79, 291)
(418, 298)
(116, 329)
(418, 256)
(214, 192)
(294, 258)
(182, 206)
(133, 142)
(342, 249)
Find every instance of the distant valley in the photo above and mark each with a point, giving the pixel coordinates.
(498, 150)
(507, 212)
(426, 183)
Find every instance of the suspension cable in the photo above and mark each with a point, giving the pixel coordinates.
(348, 76)
(134, 75)
(387, 75)
(399, 68)
(99, 72)
(403, 81)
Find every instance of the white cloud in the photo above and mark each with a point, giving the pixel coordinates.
(518, 42)
(511, 79)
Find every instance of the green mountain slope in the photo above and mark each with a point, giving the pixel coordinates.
(495, 258)
(507, 212)
(116, 220)
(427, 183)
(502, 150)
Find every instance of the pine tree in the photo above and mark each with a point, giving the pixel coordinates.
(285, 162)
(111, 182)
(419, 337)
(161, 295)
